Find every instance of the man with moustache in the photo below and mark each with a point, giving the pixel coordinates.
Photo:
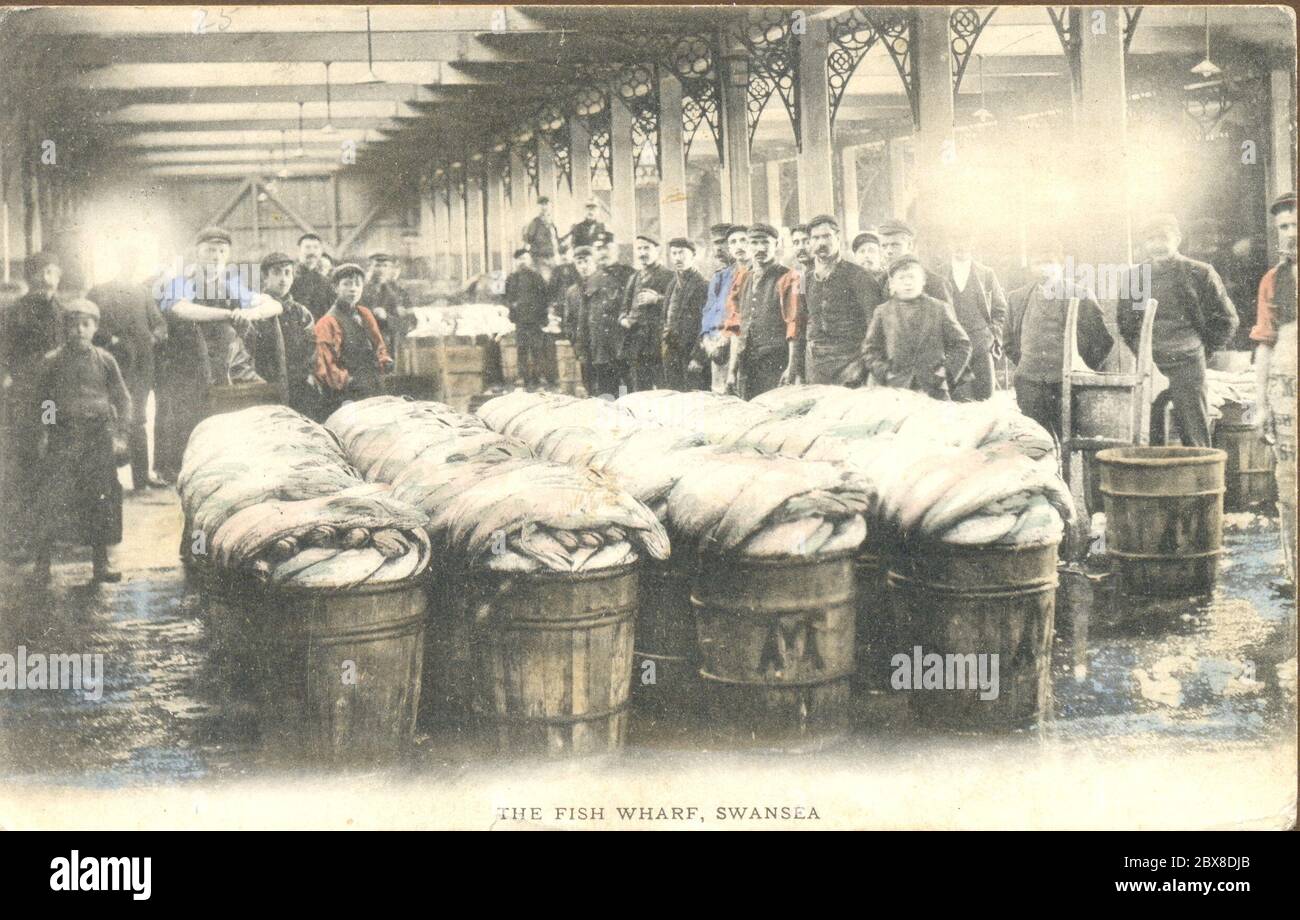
(713, 346)
(897, 239)
(866, 251)
(837, 309)
(802, 265)
(311, 286)
(681, 339)
(642, 316)
(761, 314)
(526, 298)
(1194, 318)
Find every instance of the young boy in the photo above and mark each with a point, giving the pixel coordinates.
(914, 340)
(80, 399)
(350, 350)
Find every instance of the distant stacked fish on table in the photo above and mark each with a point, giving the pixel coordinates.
(279, 502)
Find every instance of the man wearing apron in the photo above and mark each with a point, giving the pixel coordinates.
(350, 350)
(1275, 369)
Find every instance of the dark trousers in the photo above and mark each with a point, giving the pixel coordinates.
(531, 346)
(643, 373)
(609, 377)
(1187, 391)
(760, 372)
(677, 374)
(1041, 401)
(977, 380)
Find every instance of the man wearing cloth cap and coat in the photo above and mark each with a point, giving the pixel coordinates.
(1194, 317)
(29, 328)
(285, 346)
(386, 300)
(761, 318)
(681, 340)
(836, 310)
(527, 298)
(595, 302)
(643, 315)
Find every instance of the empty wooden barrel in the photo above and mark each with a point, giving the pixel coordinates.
(665, 674)
(955, 608)
(334, 675)
(552, 659)
(775, 640)
(1164, 517)
(1248, 473)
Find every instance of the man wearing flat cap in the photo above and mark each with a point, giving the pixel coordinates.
(585, 231)
(311, 283)
(1275, 368)
(285, 347)
(541, 237)
(29, 328)
(131, 327)
(866, 251)
(642, 316)
(527, 298)
(836, 311)
(681, 339)
(898, 238)
(1194, 317)
(605, 250)
(594, 303)
(210, 312)
(761, 319)
(386, 300)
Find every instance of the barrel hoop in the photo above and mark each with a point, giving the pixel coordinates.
(1206, 493)
(573, 719)
(387, 631)
(1033, 587)
(530, 624)
(784, 610)
(777, 684)
(1176, 557)
(654, 657)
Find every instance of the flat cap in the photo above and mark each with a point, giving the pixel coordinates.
(799, 228)
(719, 231)
(81, 306)
(37, 262)
(382, 257)
(272, 259)
(866, 236)
(764, 230)
(823, 219)
(347, 268)
(1158, 223)
(593, 203)
(214, 235)
(681, 242)
(1283, 202)
(522, 251)
(905, 260)
(893, 227)
(648, 238)
(309, 236)
(583, 252)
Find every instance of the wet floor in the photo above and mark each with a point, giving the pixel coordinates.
(1207, 675)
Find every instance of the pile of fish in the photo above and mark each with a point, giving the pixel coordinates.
(277, 500)
(1222, 387)
(963, 473)
(467, 320)
(712, 499)
(488, 502)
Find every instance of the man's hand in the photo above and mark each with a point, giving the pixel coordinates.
(996, 350)
(241, 323)
(625, 323)
(379, 313)
(386, 365)
(788, 376)
(647, 297)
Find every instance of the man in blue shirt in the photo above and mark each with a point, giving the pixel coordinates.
(730, 246)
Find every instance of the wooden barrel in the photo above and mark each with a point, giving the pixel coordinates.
(1248, 474)
(665, 673)
(334, 675)
(236, 396)
(544, 659)
(1164, 517)
(775, 640)
(963, 601)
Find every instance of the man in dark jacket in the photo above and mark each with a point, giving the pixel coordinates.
(595, 302)
(1035, 336)
(898, 238)
(585, 231)
(540, 236)
(681, 339)
(605, 251)
(981, 308)
(1194, 317)
(762, 318)
(642, 315)
(386, 300)
(131, 325)
(915, 341)
(311, 287)
(526, 296)
(285, 346)
(836, 311)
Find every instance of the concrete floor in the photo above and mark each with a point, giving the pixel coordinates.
(1165, 714)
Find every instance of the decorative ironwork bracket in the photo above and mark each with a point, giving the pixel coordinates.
(851, 36)
(773, 47)
(965, 25)
(898, 31)
(1068, 22)
(637, 88)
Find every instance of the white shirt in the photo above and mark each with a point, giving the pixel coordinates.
(961, 273)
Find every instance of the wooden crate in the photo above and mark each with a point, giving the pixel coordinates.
(453, 367)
